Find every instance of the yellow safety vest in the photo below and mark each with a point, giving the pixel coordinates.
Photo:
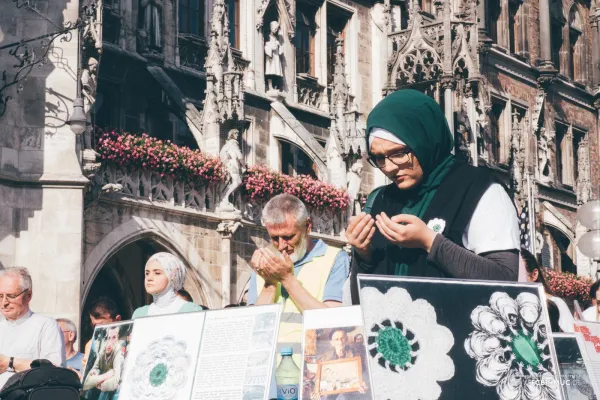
(313, 276)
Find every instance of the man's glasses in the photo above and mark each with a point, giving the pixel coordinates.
(11, 297)
(399, 158)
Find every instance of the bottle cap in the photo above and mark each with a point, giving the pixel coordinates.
(286, 351)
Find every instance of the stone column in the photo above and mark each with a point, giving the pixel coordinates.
(595, 22)
(227, 229)
(447, 84)
(482, 18)
(546, 50)
(472, 114)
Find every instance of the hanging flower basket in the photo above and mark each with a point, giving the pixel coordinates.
(164, 157)
(261, 184)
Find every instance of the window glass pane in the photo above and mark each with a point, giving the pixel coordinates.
(183, 16)
(194, 22)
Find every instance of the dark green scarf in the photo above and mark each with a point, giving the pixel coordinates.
(418, 121)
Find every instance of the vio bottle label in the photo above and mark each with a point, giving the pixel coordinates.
(287, 392)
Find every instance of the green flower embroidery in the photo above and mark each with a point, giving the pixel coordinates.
(437, 225)
(158, 375)
(397, 347)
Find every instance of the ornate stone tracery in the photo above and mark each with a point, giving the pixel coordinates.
(224, 99)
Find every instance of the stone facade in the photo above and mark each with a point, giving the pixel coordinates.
(41, 183)
(522, 99)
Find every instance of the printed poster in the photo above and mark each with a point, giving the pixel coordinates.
(590, 335)
(456, 339)
(108, 352)
(162, 357)
(237, 354)
(575, 374)
(335, 355)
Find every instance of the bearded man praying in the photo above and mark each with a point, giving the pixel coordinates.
(303, 274)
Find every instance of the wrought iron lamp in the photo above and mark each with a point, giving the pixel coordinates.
(78, 119)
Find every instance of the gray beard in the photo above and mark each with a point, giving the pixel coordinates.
(300, 250)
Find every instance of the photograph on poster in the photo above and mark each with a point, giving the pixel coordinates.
(452, 339)
(335, 365)
(340, 376)
(574, 373)
(104, 367)
(162, 357)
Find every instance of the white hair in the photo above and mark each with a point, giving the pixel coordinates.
(283, 205)
(22, 273)
(69, 325)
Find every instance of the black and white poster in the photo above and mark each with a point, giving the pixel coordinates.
(453, 339)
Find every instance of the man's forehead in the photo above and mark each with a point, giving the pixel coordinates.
(286, 228)
(10, 282)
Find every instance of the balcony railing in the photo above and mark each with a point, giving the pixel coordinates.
(192, 51)
(152, 186)
(310, 92)
(167, 191)
(325, 222)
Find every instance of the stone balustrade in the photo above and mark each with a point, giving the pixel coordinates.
(310, 92)
(164, 190)
(152, 186)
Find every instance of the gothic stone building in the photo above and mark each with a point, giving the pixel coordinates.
(518, 81)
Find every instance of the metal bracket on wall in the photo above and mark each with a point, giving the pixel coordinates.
(28, 55)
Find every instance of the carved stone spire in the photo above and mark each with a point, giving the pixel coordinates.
(224, 99)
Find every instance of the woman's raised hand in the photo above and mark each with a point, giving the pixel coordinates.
(359, 233)
(406, 231)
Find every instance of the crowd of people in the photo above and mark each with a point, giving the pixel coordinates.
(438, 218)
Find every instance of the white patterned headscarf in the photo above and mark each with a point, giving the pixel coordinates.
(173, 267)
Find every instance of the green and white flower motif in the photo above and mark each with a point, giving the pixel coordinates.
(160, 371)
(408, 349)
(437, 225)
(511, 346)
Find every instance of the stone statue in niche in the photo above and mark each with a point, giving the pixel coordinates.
(88, 89)
(231, 155)
(89, 84)
(465, 134)
(151, 25)
(273, 51)
(544, 165)
(354, 181)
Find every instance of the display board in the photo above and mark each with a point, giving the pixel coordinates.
(575, 373)
(162, 357)
(237, 353)
(335, 359)
(453, 339)
(105, 364)
(590, 339)
(210, 355)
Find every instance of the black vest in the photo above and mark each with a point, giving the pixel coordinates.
(454, 202)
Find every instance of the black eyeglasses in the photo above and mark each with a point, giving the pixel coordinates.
(399, 158)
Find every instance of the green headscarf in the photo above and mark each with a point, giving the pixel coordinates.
(418, 121)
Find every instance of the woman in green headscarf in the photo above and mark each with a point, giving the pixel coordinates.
(439, 217)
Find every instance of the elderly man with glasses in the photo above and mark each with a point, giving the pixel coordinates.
(24, 335)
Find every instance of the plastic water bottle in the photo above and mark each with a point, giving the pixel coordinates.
(287, 376)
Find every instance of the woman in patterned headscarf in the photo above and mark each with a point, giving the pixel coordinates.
(165, 275)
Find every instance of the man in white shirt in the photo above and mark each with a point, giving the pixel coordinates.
(24, 336)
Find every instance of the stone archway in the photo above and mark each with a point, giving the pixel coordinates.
(165, 235)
